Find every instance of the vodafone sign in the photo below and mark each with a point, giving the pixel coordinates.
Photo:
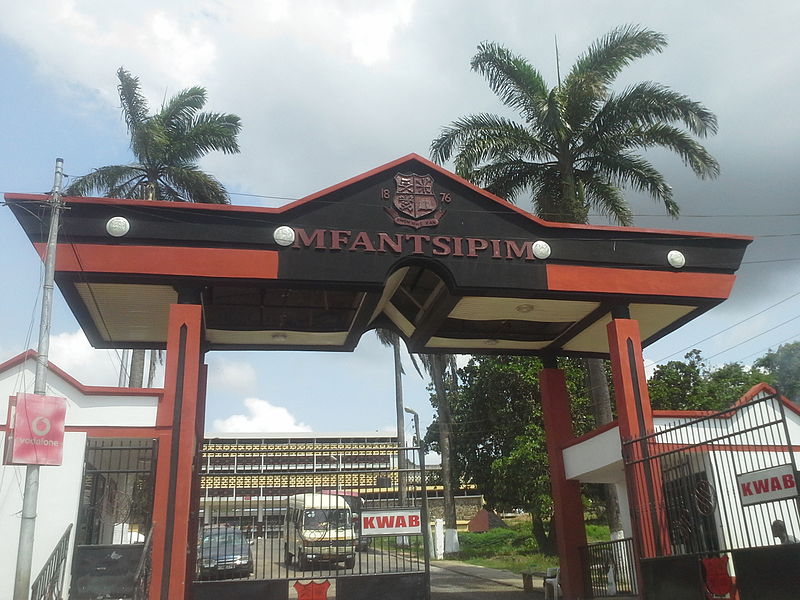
(400, 521)
(36, 430)
(767, 485)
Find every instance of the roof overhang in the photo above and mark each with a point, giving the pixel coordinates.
(408, 246)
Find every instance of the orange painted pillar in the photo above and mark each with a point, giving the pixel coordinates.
(635, 416)
(567, 504)
(176, 494)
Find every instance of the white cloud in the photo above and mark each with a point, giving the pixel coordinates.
(261, 417)
(372, 33)
(224, 374)
(72, 352)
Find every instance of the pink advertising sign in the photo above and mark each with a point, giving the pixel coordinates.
(36, 430)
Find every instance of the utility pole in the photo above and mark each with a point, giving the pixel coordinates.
(401, 429)
(425, 517)
(30, 498)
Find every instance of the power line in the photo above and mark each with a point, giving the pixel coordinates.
(695, 344)
(776, 344)
(754, 337)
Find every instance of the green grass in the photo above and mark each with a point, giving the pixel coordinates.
(597, 533)
(514, 549)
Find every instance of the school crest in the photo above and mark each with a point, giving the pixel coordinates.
(415, 203)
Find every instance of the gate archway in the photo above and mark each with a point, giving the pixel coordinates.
(407, 245)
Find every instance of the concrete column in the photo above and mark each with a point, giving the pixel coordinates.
(176, 491)
(635, 416)
(567, 504)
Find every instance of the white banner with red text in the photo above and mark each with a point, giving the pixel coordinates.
(395, 521)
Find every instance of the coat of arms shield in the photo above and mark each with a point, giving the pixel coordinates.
(414, 202)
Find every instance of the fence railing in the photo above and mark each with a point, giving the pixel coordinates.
(271, 511)
(610, 569)
(693, 493)
(143, 571)
(49, 584)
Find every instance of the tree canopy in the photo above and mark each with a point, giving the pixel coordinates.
(499, 439)
(692, 385)
(784, 365)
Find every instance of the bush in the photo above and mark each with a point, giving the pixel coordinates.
(495, 542)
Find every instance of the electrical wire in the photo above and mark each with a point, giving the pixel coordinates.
(705, 339)
(753, 337)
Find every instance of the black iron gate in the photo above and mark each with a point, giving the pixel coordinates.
(347, 516)
(114, 518)
(721, 487)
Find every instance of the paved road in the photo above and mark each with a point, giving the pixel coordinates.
(472, 584)
(450, 580)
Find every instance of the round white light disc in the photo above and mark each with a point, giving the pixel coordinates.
(283, 236)
(541, 249)
(118, 226)
(676, 258)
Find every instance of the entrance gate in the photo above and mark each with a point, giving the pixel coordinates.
(408, 247)
(277, 515)
(112, 549)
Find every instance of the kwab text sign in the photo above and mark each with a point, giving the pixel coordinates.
(36, 430)
(399, 521)
(767, 485)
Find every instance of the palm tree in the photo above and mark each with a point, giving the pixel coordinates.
(578, 144)
(166, 147)
(390, 338)
(438, 366)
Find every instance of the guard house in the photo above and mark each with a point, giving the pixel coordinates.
(407, 246)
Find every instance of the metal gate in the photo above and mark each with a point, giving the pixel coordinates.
(111, 556)
(700, 464)
(722, 488)
(347, 516)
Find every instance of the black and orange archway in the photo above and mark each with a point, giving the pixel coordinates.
(408, 246)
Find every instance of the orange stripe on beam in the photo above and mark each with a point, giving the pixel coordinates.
(167, 260)
(634, 281)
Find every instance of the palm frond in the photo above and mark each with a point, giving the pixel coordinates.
(606, 57)
(627, 169)
(648, 103)
(512, 78)
(482, 136)
(134, 104)
(604, 197)
(509, 179)
(114, 181)
(554, 118)
(577, 143)
(693, 154)
(193, 185)
(180, 109)
(586, 86)
(204, 133)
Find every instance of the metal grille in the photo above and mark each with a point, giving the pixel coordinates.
(294, 510)
(117, 498)
(691, 472)
(610, 569)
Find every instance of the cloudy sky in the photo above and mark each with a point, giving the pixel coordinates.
(329, 89)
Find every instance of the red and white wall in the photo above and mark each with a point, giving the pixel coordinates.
(91, 412)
